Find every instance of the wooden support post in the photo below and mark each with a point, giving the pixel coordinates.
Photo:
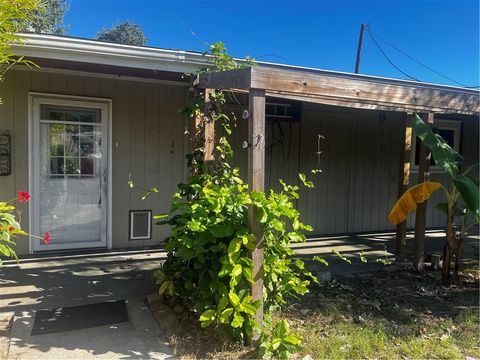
(209, 133)
(403, 183)
(421, 213)
(208, 130)
(256, 180)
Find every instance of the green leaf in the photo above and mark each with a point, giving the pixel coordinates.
(305, 182)
(443, 207)
(277, 224)
(247, 273)
(470, 194)
(234, 246)
(234, 299)
(321, 260)
(293, 339)
(207, 315)
(444, 156)
(281, 329)
(225, 315)
(237, 270)
(336, 252)
(163, 287)
(237, 321)
(222, 304)
(296, 236)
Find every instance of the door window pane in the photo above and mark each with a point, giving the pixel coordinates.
(70, 114)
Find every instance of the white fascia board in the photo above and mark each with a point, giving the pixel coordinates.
(90, 51)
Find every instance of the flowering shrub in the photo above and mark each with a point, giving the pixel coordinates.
(10, 228)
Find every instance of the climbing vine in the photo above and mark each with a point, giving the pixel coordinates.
(208, 270)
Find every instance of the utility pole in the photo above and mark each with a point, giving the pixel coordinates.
(363, 27)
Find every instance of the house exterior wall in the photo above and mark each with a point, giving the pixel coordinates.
(359, 160)
(359, 153)
(147, 141)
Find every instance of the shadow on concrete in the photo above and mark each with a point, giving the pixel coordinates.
(58, 281)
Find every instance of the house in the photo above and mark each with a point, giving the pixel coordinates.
(95, 113)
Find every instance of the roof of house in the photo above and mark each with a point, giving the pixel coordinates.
(70, 53)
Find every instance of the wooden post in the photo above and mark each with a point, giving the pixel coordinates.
(403, 183)
(208, 128)
(209, 133)
(256, 180)
(421, 213)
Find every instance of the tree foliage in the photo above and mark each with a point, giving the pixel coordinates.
(14, 16)
(48, 19)
(126, 32)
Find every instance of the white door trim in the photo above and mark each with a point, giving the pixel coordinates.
(82, 101)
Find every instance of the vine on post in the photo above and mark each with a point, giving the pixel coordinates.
(208, 271)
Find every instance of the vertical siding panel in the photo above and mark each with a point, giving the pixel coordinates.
(7, 122)
(311, 125)
(345, 143)
(137, 147)
(323, 207)
(58, 83)
(362, 157)
(165, 135)
(359, 169)
(368, 187)
(179, 123)
(75, 85)
(92, 86)
(331, 195)
(40, 81)
(121, 162)
(304, 164)
(352, 173)
(107, 88)
(152, 153)
(381, 165)
(20, 155)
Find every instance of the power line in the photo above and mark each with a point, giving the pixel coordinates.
(417, 61)
(386, 57)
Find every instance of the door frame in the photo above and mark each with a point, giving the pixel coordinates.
(68, 100)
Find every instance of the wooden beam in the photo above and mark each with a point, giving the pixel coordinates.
(230, 79)
(421, 212)
(351, 89)
(256, 182)
(366, 104)
(403, 183)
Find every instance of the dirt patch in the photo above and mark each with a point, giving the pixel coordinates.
(5, 332)
(190, 341)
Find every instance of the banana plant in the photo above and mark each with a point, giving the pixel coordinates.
(462, 200)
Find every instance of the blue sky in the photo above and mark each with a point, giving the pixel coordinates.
(443, 35)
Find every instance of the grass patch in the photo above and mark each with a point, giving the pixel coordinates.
(390, 314)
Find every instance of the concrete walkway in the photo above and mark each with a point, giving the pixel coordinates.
(60, 281)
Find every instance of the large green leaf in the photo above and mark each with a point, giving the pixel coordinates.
(469, 191)
(443, 155)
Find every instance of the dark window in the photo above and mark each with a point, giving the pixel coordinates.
(448, 134)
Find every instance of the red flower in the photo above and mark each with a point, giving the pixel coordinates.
(11, 228)
(23, 196)
(46, 238)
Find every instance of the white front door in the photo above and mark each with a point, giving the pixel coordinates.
(70, 173)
